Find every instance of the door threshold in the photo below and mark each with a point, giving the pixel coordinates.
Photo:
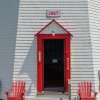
(52, 97)
(54, 90)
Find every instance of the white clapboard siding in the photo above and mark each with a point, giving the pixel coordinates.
(94, 20)
(31, 19)
(8, 30)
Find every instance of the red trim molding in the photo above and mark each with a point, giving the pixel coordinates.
(40, 59)
(50, 23)
(40, 55)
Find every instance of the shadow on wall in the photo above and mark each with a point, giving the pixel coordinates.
(28, 70)
(8, 30)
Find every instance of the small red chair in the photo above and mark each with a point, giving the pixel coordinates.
(85, 91)
(17, 92)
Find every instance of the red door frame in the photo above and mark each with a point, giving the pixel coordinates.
(40, 59)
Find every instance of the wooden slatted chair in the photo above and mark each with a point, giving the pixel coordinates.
(17, 92)
(85, 91)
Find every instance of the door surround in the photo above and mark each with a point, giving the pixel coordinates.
(40, 56)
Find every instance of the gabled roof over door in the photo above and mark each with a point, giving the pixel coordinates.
(53, 27)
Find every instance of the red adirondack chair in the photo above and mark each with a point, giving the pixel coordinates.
(17, 92)
(85, 91)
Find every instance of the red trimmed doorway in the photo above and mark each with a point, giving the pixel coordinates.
(53, 60)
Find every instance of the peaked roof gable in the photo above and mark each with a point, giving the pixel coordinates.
(53, 26)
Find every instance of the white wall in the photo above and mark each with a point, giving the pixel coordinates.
(94, 19)
(32, 18)
(8, 30)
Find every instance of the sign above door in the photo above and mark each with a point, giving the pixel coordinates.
(53, 13)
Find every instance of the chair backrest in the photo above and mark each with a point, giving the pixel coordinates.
(85, 88)
(18, 88)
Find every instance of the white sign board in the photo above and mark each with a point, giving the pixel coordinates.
(53, 13)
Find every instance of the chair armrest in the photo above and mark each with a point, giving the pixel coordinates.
(78, 92)
(95, 93)
(8, 91)
(23, 93)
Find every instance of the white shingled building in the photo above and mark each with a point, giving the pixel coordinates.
(50, 44)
